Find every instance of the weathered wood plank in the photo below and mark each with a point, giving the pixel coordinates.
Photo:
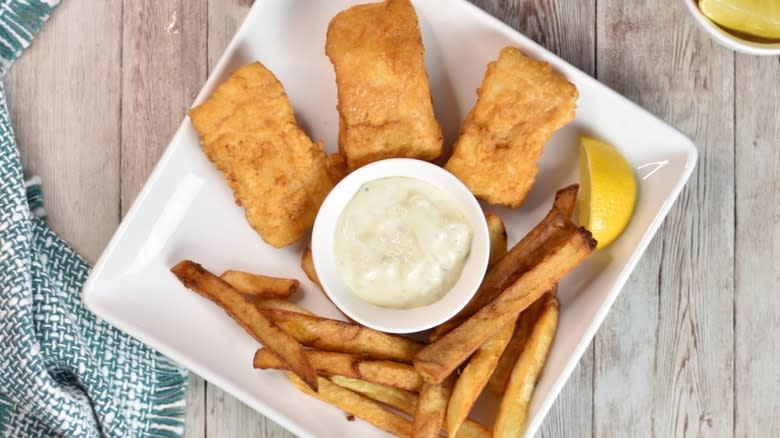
(664, 357)
(164, 66)
(56, 90)
(195, 417)
(226, 415)
(757, 258)
(568, 29)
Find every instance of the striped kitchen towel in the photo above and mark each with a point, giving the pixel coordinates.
(63, 372)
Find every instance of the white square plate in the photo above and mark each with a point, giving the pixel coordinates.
(187, 211)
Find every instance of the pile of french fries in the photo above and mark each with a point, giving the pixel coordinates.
(499, 341)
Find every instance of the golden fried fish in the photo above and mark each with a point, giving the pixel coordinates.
(520, 103)
(385, 107)
(248, 129)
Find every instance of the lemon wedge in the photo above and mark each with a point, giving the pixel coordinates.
(608, 190)
(759, 18)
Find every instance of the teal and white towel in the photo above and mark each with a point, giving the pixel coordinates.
(63, 372)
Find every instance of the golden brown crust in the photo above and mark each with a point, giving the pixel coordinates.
(285, 347)
(520, 103)
(339, 336)
(248, 130)
(327, 364)
(559, 255)
(431, 408)
(385, 107)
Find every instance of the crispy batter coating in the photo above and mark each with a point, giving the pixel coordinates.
(520, 103)
(248, 129)
(385, 107)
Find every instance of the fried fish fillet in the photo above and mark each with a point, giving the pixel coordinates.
(248, 129)
(520, 103)
(385, 107)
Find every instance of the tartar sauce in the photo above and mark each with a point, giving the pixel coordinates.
(401, 242)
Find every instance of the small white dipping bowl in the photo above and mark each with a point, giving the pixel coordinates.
(399, 320)
(729, 40)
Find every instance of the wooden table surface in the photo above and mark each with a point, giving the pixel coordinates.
(691, 346)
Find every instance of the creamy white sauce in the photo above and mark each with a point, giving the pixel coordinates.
(401, 242)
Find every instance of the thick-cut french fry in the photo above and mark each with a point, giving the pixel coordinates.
(475, 376)
(260, 286)
(194, 277)
(332, 335)
(513, 411)
(327, 363)
(307, 264)
(498, 238)
(281, 305)
(439, 359)
(525, 323)
(518, 260)
(566, 200)
(357, 405)
(406, 402)
(431, 408)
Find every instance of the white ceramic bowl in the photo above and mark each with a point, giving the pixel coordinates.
(399, 320)
(727, 39)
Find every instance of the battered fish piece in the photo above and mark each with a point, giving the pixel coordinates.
(520, 103)
(336, 165)
(248, 130)
(385, 107)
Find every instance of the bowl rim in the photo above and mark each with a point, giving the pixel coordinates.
(393, 320)
(727, 39)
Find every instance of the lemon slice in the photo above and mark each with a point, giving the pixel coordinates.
(759, 18)
(608, 191)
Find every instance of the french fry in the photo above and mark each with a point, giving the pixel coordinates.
(272, 303)
(344, 337)
(439, 359)
(431, 408)
(566, 200)
(498, 238)
(327, 364)
(513, 411)
(406, 402)
(475, 376)
(307, 264)
(289, 351)
(260, 286)
(525, 323)
(517, 261)
(357, 405)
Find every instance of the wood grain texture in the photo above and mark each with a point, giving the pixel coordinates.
(757, 258)
(664, 360)
(567, 29)
(55, 93)
(195, 418)
(163, 68)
